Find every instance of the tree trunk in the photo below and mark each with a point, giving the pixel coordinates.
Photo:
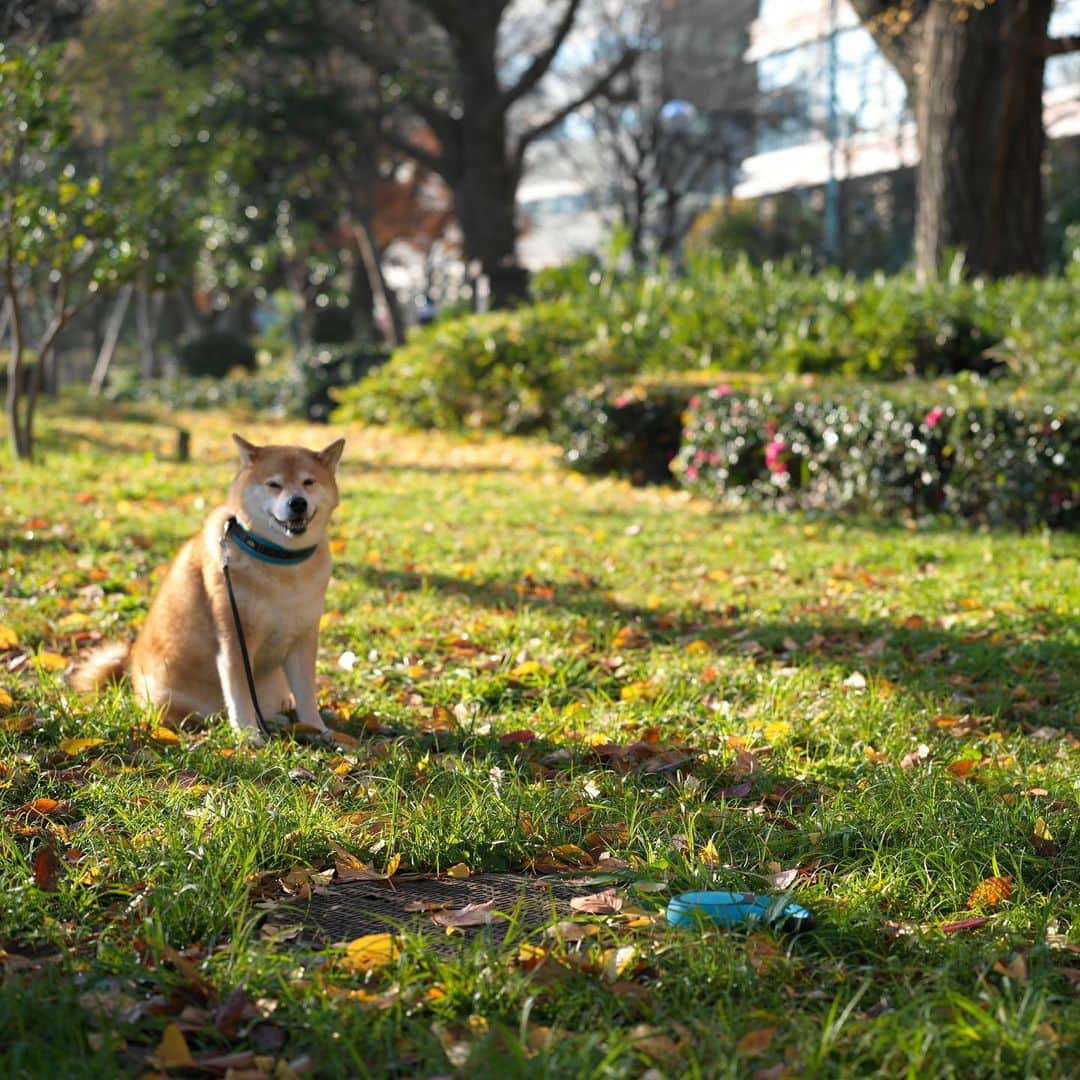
(975, 75)
(148, 308)
(112, 336)
(978, 110)
(485, 191)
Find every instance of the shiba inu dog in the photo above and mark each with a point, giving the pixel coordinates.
(262, 560)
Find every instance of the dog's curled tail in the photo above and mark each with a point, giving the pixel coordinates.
(106, 664)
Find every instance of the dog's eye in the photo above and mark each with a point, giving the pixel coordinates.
(309, 482)
(273, 485)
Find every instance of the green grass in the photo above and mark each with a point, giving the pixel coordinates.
(778, 673)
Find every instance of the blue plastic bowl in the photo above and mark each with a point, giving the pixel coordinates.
(736, 909)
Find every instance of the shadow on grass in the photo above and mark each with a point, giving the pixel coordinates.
(1028, 676)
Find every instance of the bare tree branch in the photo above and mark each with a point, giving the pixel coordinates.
(1060, 46)
(597, 88)
(542, 61)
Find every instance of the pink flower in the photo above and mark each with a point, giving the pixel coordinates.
(691, 473)
(695, 401)
(770, 428)
(774, 456)
(934, 417)
(714, 458)
(723, 390)
(622, 401)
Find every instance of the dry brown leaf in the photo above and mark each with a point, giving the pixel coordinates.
(46, 868)
(605, 902)
(754, 1043)
(469, 915)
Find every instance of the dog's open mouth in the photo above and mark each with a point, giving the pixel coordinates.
(295, 526)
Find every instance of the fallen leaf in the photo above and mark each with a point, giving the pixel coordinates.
(605, 902)
(917, 757)
(8, 638)
(1016, 968)
(49, 661)
(781, 879)
(46, 868)
(630, 637)
(990, 892)
(961, 767)
(654, 1043)
(755, 1043)
(1042, 839)
(369, 952)
(469, 915)
(523, 735)
(172, 1052)
(643, 690)
(350, 868)
(73, 747)
(164, 736)
(617, 961)
(7, 702)
(458, 870)
(38, 808)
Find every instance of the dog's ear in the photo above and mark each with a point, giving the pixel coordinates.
(248, 451)
(331, 455)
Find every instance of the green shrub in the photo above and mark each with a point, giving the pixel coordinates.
(216, 353)
(272, 395)
(504, 369)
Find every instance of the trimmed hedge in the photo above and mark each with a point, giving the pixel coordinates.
(997, 466)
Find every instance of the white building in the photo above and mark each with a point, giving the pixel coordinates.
(790, 43)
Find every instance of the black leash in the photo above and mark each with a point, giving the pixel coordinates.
(263, 729)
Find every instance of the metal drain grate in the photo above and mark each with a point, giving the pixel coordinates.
(349, 910)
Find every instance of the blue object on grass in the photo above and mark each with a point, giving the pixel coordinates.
(737, 909)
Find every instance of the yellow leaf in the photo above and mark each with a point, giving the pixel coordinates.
(1042, 830)
(393, 864)
(458, 870)
(615, 962)
(49, 661)
(638, 691)
(77, 746)
(369, 952)
(172, 1052)
(165, 736)
(8, 638)
(697, 648)
(7, 702)
(527, 669)
(775, 730)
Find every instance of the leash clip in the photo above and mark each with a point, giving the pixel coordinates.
(224, 542)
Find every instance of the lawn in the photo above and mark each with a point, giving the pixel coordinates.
(536, 672)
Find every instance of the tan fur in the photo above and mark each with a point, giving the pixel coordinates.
(186, 657)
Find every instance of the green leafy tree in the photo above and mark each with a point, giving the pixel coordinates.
(65, 237)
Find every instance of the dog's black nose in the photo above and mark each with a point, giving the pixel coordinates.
(297, 505)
